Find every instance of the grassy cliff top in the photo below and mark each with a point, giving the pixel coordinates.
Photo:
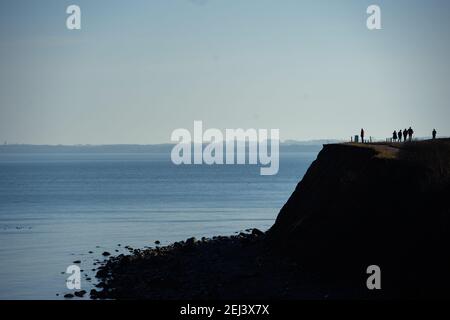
(412, 150)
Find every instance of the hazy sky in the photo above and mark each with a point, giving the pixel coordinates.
(139, 69)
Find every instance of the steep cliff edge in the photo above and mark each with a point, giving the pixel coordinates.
(357, 205)
(360, 205)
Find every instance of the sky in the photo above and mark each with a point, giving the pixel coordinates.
(139, 69)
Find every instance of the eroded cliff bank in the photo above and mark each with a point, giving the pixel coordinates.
(358, 205)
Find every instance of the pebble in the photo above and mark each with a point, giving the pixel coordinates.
(80, 294)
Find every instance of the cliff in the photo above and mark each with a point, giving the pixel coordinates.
(360, 205)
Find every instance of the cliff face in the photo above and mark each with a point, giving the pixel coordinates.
(360, 205)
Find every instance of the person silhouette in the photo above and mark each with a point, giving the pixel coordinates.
(400, 134)
(362, 135)
(394, 136)
(434, 134)
(405, 135)
(410, 133)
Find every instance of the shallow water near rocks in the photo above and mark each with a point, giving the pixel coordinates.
(56, 207)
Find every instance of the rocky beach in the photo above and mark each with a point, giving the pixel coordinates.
(358, 205)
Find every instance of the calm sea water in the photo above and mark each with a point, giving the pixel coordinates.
(55, 208)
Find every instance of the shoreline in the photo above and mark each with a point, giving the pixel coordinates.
(218, 268)
(323, 241)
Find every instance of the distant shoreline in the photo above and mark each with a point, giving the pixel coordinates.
(290, 146)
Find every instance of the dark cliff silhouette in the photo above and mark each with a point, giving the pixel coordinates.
(386, 205)
(358, 205)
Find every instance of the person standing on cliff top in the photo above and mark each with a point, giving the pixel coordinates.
(405, 135)
(410, 133)
(400, 135)
(434, 134)
(394, 136)
(362, 135)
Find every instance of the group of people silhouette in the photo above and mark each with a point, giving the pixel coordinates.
(406, 134)
(400, 135)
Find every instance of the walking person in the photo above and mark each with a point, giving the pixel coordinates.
(400, 134)
(410, 133)
(434, 134)
(405, 135)
(394, 136)
(362, 135)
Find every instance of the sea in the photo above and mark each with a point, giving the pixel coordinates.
(57, 207)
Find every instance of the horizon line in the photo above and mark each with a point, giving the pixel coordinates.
(286, 141)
